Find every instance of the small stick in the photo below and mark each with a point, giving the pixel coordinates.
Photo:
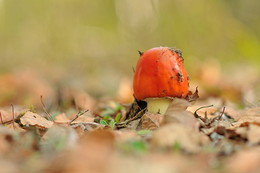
(78, 115)
(1, 118)
(222, 113)
(196, 114)
(45, 110)
(12, 114)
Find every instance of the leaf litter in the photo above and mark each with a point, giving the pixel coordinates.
(102, 135)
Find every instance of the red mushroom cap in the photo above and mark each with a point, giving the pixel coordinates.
(160, 72)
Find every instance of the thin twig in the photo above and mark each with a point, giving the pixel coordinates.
(222, 113)
(78, 115)
(196, 114)
(1, 118)
(137, 116)
(13, 114)
(45, 110)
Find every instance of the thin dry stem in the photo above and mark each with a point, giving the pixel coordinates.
(45, 110)
(78, 115)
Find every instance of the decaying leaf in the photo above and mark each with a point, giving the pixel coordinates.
(245, 161)
(177, 113)
(172, 134)
(150, 121)
(249, 116)
(6, 139)
(8, 116)
(33, 119)
(57, 138)
(87, 126)
(92, 154)
(62, 118)
(253, 134)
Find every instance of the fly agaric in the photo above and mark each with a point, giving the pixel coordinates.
(159, 77)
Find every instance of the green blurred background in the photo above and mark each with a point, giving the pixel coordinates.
(94, 43)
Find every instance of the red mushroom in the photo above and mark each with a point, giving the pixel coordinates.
(159, 77)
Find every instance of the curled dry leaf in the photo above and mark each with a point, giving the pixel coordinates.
(192, 97)
(33, 119)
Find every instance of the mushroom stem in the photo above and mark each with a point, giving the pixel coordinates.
(158, 105)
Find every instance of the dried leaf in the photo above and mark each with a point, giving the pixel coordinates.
(126, 135)
(177, 113)
(84, 118)
(33, 119)
(245, 161)
(246, 120)
(57, 138)
(191, 97)
(169, 135)
(6, 139)
(92, 154)
(62, 118)
(7, 116)
(253, 134)
(83, 101)
(81, 128)
(150, 121)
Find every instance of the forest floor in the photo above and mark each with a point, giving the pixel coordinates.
(67, 130)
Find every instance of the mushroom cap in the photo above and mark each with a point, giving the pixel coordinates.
(159, 73)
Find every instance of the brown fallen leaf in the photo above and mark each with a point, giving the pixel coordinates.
(33, 119)
(81, 128)
(253, 134)
(150, 121)
(7, 116)
(176, 113)
(6, 139)
(15, 126)
(61, 118)
(246, 120)
(92, 154)
(248, 116)
(58, 136)
(244, 161)
(126, 135)
(83, 100)
(7, 166)
(169, 135)
(87, 117)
